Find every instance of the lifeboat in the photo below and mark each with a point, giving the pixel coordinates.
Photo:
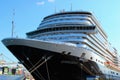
(112, 66)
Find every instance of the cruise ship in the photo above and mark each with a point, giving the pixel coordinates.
(69, 45)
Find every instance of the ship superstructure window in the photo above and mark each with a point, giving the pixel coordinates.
(62, 28)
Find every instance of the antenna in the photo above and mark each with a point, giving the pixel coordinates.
(12, 34)
(71, 6)
(55, 9)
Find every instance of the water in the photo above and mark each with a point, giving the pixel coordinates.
(11, 77)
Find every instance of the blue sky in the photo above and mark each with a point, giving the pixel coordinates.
(29, 13)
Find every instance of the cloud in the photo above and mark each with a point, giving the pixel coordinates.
(43, 2)
(51, 0)
(40, 3)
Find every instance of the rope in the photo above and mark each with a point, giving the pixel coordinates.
(38, 75)
(86, 69)
(36, 70)
(35, 64)
(40, 64)
(47, 70)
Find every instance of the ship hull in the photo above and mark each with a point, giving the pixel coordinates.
(55, 61)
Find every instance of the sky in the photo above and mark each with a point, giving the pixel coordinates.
(27, 15)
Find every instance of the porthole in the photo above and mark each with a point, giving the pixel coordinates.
(91, 58)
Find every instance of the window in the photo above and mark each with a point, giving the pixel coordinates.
(91, 58)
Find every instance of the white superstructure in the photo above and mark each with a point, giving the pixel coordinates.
(80, 29)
